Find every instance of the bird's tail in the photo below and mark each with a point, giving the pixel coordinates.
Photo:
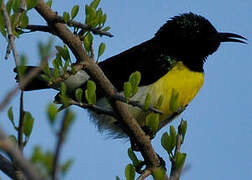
(35, 84)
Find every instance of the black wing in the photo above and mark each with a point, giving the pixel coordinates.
(148, 58)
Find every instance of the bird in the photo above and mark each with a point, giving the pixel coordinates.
(171, 61)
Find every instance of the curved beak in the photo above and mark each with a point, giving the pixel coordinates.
(231, 37)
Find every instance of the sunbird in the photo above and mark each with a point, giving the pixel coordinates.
(169, 63)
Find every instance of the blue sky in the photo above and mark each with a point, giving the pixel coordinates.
(218, 142)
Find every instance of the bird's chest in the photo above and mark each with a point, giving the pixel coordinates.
(179, 83)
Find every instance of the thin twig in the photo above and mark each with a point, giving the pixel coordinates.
(7, 146)
(95, 108)
(61, 138)
(20, 125)
(11, 37)
(22, 83)
(144, 175)
(137, 104)
(84, 27)
(34, 28)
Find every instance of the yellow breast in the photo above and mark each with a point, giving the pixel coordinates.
(180, 80)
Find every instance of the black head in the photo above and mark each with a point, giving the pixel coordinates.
(191, 38)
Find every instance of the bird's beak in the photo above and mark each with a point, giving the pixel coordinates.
(231, 37)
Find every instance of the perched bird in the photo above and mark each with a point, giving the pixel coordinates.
(172, 61)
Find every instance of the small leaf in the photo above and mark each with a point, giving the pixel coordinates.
(173, 137)
(95, 3)
(28, 124)
(159, 102)
(49, 3)
(107, 28)
(78, 95)
(182, 129)
(133, 157)
(66, 166)
(16, 5)
(69, 119)
(101, 50)
(11, 117)
(24, 20)
(12, 138)
(134, 80)
(88, 41)
(174, 101)
(66, 17)
(90, 93)
(74, 11)
(2, 24)
(52, 112)
(180, 160)
(130, 172)
(158, 173)
(127, 90)
(165, 142)
(30, 4)
(152, 121)
(147, 102)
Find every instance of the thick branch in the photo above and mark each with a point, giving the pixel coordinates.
(7, 167)
(95, 72)
(7, 146)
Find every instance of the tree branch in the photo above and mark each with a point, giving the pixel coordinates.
(95, 72)
(11, 37)
(7, 167)
(61, 138)
(7, 146)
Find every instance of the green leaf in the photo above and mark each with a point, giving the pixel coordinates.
(74, 11)
(78, 95)
(11, 117)
(66, 166)
(88, 41)
(101, 50)
(69, 119)
(49, 3)
(134, 80)
(165, 142)
(147, 102)
(90, 14)
(13, 139)
(158, 173)
(107, 28)
(127, 90)
(159, 102)
(173, 137)
(30, 4)
(24, 20)
(90, 93)
(2, 24)
(28, 124)
(152, 121)
(180, 160)
(103, 19)
(9, 6)
(95, 3)
(52, 112)
(63, 52)
(16, 5)
(182, 129)
(130, 172)
(133, 157)
(174, 105)
(66, 17)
